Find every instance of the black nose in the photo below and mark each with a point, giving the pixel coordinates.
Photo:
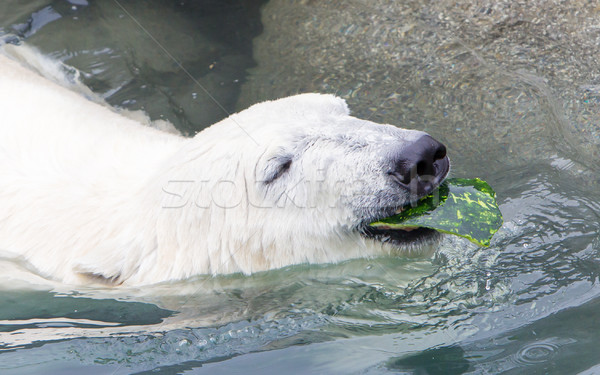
(420, 166)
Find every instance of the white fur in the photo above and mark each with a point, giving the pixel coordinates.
(86, 193)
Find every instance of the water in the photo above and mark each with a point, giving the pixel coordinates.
(511, 89)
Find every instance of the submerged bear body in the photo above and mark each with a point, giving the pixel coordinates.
(87, 194)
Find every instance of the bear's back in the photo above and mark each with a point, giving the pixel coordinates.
(49, 130)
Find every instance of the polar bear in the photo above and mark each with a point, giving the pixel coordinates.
(88, 195)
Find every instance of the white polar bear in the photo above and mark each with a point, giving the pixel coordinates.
(88, 195)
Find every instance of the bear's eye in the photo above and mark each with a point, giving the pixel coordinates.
(282, 166)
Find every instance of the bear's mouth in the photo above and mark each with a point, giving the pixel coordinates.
(397, 237)
(408, 236)
(400, 237)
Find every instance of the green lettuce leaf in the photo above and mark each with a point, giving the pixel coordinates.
(463, 207)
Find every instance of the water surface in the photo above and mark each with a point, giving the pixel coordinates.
(512, 89)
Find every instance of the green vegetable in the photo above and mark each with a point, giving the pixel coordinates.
(463, 207)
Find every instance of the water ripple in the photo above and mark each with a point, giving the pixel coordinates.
(536, 353)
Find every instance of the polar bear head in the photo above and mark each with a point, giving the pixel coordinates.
(291, 181)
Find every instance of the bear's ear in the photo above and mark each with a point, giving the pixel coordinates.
(274, 168)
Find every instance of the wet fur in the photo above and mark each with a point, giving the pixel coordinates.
(91, 195)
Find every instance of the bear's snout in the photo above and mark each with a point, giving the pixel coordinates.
(420, 166)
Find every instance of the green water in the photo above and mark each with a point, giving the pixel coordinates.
(511, 89)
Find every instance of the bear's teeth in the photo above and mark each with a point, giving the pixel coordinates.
(400, 209)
